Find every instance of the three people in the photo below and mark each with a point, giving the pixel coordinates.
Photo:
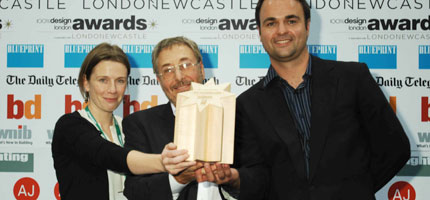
(89, 159)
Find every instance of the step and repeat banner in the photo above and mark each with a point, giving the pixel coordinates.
(43, 42)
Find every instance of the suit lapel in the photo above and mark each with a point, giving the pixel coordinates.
(276, 111)
(323, 91)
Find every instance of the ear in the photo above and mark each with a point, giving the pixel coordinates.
(308, 26)
(259, 32)
(202, 69)
(86, 84)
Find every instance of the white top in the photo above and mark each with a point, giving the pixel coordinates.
(116, 180)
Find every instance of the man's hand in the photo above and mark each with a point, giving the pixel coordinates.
(188, 174)
(219, 174)
(174, 160)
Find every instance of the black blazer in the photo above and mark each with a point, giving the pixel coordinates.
(82, 157)
(149, 131)
(357, 143)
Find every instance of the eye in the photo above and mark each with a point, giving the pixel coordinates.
(292, 21)
(122, 81)
(185, 65)
(270, 24)
(168, 70)
(103, 80)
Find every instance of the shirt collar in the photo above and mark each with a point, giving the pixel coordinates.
(272, 74)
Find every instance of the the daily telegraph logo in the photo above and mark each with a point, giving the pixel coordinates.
(328, 52)
(39, 81)
(247, 81)
(424, 56)
(74, 54)
(20, 135)
(378, 56)
(210, 55)
(16, 162)
(399, 83)
(418, 165)
(127, 24)
(253, 56)
(25, 55)
(139, 55)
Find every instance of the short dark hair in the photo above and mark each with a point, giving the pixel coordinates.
(304, 3)
(101, 52)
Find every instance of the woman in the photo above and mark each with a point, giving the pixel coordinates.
(87, 144)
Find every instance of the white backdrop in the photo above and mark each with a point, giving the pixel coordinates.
(43, 42)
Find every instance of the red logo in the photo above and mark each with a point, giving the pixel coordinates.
(425, 107)
(26, 189)
(127, 104)
(24, 108)
(401, 191)
(57, 191)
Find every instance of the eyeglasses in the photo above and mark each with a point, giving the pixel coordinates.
(169, 72)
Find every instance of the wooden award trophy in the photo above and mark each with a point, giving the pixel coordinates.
(204, 123)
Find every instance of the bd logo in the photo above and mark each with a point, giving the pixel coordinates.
(31, 109)
(57, 191)
(401, 191)
(26, 189)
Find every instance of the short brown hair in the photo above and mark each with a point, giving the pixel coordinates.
(304, 3)
(101, 52)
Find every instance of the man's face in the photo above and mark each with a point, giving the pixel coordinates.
(181, 81)
(283, 30)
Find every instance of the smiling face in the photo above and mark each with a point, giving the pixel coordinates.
(173, 56)
(283, 30)
(106, 86)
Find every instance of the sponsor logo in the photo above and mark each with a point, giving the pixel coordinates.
(365, 5)
(393, 103)
(50, 134)
(253, 56)
(169, 5)
(425, 107)
(378, 56)
(57, 191)
(140, 56)
(424, 56)
(212, 24)
(127, 104)
(418, 165)
(357, 24)
(401, 191)
(328, 52)
(21, 135)
(399, 24)
(16, 162)
(24, 109)
(74, 54)
(25, 55)
(247, 81)
(40, 80)
(29, 5)
(142, 80)
(131, 23)
(69, 104)
(26, 189)
(210, 55)
(398, 83)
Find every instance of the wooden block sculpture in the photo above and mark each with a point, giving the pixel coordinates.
(204, 124)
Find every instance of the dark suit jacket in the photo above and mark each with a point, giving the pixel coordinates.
(357, 143)
(81, 157)
(149, 131)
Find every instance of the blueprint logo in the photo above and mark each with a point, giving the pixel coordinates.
(378, 56)
(74, 54)
(253, 56)
(210, 55)
(139, 55)
(328, 52)
(424, 56)
(16, 162)
(25, 55)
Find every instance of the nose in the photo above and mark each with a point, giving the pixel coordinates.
(178, 73)
(112, 87)
(282, 28)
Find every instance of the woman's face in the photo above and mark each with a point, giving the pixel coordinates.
(106, 86)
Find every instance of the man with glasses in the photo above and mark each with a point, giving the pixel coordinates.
(176, 62)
